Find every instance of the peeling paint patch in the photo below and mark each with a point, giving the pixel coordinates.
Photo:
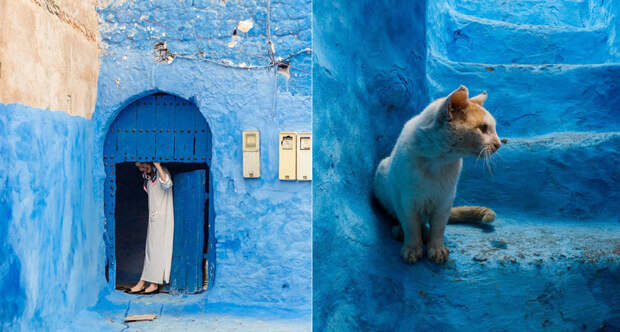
(245, 25)
(233, 41)
(284, 69)
(161, 53)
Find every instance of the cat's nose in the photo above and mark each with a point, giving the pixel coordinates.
(496, 145)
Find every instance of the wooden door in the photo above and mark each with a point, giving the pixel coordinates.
(186, 275)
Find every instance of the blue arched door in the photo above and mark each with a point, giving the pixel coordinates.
(167, 129)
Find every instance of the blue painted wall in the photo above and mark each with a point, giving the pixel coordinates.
(369, 62)
(49, 237)
(262, 226)
(551, 70)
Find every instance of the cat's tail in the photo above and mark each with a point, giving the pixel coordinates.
(471, 215)
(458, 215)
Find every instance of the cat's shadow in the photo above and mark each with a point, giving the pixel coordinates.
(388, 221)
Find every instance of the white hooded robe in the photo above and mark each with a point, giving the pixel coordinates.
(160, 232)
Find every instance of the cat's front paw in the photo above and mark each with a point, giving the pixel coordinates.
(438, 253)
(411, 253)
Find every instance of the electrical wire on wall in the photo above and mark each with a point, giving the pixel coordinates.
(215, 59)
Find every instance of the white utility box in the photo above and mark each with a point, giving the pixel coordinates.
(304, 156)
(251, 154)
(288, 156)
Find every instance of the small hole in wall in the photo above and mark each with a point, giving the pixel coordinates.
(283, 68)
(283, 65)
(161, 53)
(159, 46)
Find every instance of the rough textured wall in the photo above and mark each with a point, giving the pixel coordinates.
(49, 56)
(539, 266)
(48, 237)
(524, 32)
(368, 79)
(262, 226)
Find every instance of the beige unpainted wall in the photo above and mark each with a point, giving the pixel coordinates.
(49, 54)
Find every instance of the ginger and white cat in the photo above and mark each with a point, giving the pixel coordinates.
(417, 182)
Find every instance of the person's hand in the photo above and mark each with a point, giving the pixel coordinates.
(164, 177)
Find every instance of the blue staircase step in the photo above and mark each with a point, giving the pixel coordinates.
(464, 36)
(536, 99)
(576, 13)
(572, 175)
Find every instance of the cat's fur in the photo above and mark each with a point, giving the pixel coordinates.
(417, 181)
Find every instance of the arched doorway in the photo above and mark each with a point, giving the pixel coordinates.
(171, 130)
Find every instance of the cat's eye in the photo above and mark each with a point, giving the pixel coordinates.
(483, 128)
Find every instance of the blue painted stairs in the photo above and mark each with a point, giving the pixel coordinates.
(552, 70)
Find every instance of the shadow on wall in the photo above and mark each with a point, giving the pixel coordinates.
(365, 87)
(48, 242)
(13, 295)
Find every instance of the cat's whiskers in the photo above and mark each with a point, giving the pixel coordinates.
(491, 157)
(487, 156)
(478, 158)
(498, 156)
(494, 157)
(491, 162)
(483, 157)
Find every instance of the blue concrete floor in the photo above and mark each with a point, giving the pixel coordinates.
(520, 273)
(183, 313)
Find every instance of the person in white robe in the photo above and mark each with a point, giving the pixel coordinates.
(160, 232)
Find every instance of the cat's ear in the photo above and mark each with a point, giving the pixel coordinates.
(479, 99)
(458, 101)
(454, 105)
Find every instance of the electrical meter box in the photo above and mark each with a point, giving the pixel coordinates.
(288, 156)
(304, 156)
(251, 154)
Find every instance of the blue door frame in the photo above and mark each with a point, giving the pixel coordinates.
(164, 128)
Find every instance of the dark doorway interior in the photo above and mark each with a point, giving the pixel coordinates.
(131, 211)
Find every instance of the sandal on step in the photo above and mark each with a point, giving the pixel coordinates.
(128, 291)
(149, 293)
